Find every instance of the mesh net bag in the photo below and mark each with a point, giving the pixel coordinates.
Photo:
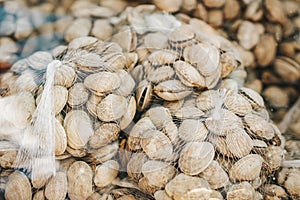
(157, 112)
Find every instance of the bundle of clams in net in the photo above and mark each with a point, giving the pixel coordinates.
(157, 112)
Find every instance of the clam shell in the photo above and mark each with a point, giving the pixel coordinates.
(247, 168)
(134, 165)
(188, 112)
(78, 128)
(258, 126)
(215, 175)
(192, 130)
(242, 190)
(64, 76)
(221, 121)
(102, 82)
(105, 134)
(78, 28)
(143, 95)
(135, 135)
(25, 82)
(39, 195)
(188, 75)
(239, 142)
(96, 156)
(159, 116)
(168, 5)
(106, 173)
(181, 36)
(80, 181)
(228, 63)
(78, 95)
(205, 57)
(163, 57)
(160, 74)
(161, 195)
(253, 97)
(172, 90)
(128, 116)
(60, 138)
(219, 143)
(57, 187)
(127, 83)
(237, 104)
(102, 29)
(180, 186)
(18, 187)
(196, 157)
(158, 173)
(78, 153)
(92, 103)
(156, 144)
(60, 98)
(207, 100)
(274, 156)
(82, 42)
(111, 108)
(39, 60)
(145, 186)
(247, 40)
(156, 40)
(126, 38)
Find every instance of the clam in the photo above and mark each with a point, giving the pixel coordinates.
(196, 157)
(57, 187)
(163, 57)
(188, 75)
(160, 74)
(135, 135)
(78, 95)
(18, 187)
(247, 168)
(172, 90)
(239, 142)
(181, 36)
(78, 128)
(204, 57)
(106, 173)
(111, 108)
(64, 76)
(253, 97)
(183, 185)
(258, 126)
(80, 180)
(158, 173)
(156, 144)
(39, 60)
(192, 130)
(104, 134)
(215, 175)
(102, 82)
